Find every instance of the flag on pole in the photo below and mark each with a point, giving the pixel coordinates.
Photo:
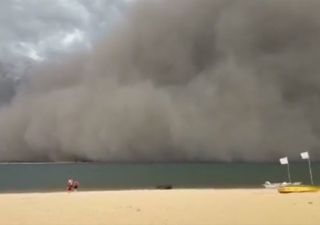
(304, 155)
(284, 160)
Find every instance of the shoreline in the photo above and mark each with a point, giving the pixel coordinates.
(88, 190)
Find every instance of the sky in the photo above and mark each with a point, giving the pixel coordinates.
(159, 80)
(33, 31)
(39, 30)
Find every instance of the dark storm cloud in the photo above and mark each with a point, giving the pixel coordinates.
(179, 80)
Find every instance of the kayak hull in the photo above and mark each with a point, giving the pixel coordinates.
(298, 189)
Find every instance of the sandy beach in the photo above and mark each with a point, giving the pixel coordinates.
(161, 207)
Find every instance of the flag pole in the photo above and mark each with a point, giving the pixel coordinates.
(305, 155)
(283, 161)
(289, 177)
(311, 178)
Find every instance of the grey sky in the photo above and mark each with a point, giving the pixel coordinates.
(33, 31)
(41, 29)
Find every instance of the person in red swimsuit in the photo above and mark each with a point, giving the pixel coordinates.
(70, 185)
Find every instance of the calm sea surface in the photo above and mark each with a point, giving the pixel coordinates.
(97, 176)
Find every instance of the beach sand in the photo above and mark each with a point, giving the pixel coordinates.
(161, 207)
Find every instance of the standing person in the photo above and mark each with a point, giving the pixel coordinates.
(70, 185)
(76, 185)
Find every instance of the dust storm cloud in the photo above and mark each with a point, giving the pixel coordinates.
(178, 80)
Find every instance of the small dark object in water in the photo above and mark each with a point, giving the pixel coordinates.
(166, 186)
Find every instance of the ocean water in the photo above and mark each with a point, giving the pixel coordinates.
(34, 177)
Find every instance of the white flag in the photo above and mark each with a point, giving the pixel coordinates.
(304, 155)
(284, 160)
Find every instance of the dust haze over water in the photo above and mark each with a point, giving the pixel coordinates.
(178, 80)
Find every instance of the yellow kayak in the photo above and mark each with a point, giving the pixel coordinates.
(298, 189)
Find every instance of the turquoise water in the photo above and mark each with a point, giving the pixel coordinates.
(98, 176)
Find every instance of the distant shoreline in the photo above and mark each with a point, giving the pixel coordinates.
(148, 162)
